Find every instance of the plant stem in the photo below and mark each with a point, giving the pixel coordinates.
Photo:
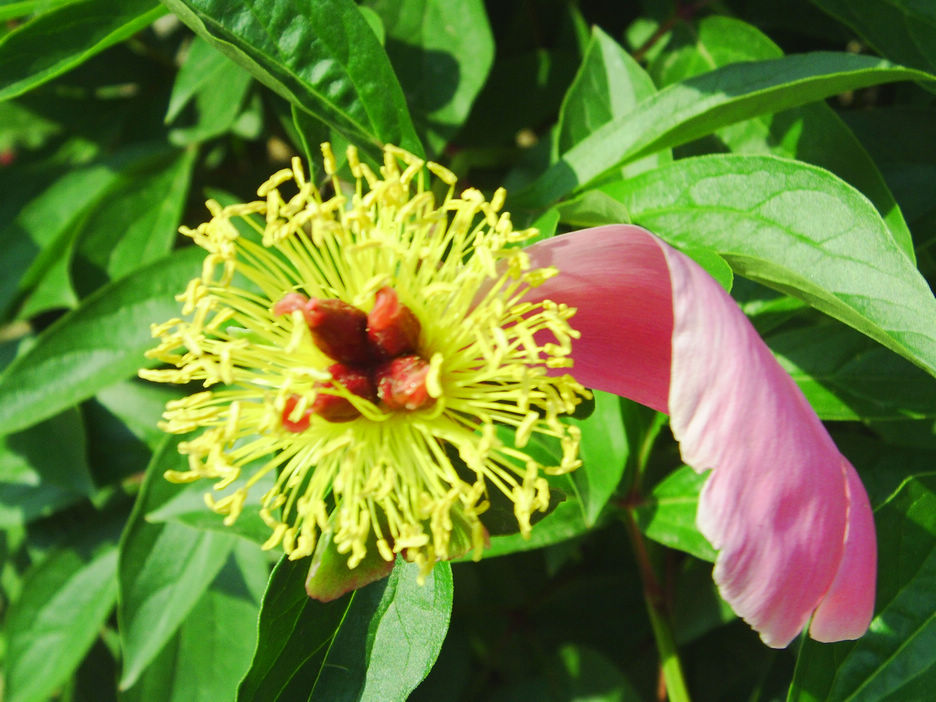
(670, 666)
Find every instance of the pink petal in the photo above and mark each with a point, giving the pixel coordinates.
(619, 283)
(848, 606)
(777, 502)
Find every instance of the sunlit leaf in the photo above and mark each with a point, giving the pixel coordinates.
(215, 85)
(389, 639)
(59, 40)
(21, 8)
(441, 50)
(322, 57)
(795, 228)
(667, 514)
(813, 133)
(164, 569)
(50, 627)
(295, 633)
(134, 223)
(204, 660)
(896, 659)
(39, 238)
(375, 644)
(901, 30)
(700, 105)
(604, 451)
(99, 343)
(608, 85)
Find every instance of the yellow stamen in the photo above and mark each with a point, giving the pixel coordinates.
(407, 480)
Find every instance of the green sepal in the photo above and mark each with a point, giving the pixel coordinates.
(329, 575)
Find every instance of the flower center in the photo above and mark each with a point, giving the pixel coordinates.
(375, 356)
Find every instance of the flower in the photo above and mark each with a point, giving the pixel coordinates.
(786, 511)
(383, 359)
(372, 356)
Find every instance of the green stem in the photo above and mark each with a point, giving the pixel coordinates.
(669, 658)
(670, 666)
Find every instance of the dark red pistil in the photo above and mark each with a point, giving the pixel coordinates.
(295, 425)
(375, 353)
(333, 408)
(392, 328)
(401, 383)
(338, 329)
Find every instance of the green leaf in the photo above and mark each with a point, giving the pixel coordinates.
(375, 22)
(204, 660)
(884, 465)
(896, 659)
(53, 291)
(795, 228)
(306, 133)
(547, 224)
(390, 638)
(902, 30)
(24, 496)
(565, 522)
(134, 223)
(13, 8)
(604, 450)
(57, 41)
(294, 634)
(99, 343)
(812, 133)
(442, 51)
(139, 406)
(322, 57)
(39, 235)
(64, 603)
(714, 265)
(697, 607)
(202, 67)
(691, 109)
(215, 84)
(846, 376)
(608, 85)
(38, 476)
(187, 506)
(585, 674)
(329, 576)
(668, 513)
(22, 127)
(122, 427)
(164, 569)
(376, 643)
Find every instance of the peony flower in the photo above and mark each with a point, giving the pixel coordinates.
(373, 356)
(383, 357)
(785, 510)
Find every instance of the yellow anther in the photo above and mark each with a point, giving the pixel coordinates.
(387, 476)
(328, 159)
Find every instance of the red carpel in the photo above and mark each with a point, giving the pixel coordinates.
(375, 353)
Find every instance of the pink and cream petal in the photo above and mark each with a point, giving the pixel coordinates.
(654, 325)
(776, 502)
(848, 606)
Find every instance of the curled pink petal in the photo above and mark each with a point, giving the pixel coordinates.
(619, 283)
(780, 501)
(847, 607)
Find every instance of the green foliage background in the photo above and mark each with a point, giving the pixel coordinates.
(789, 147)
